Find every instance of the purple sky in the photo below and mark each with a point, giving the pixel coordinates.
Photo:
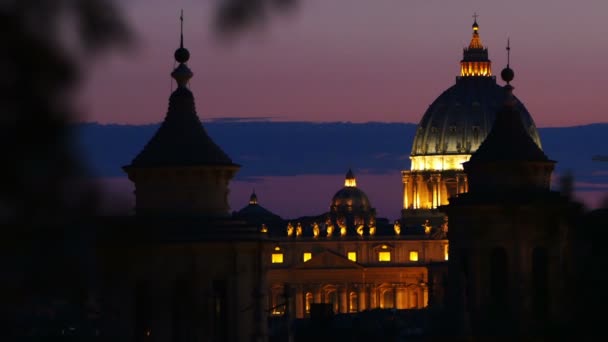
(356, 60)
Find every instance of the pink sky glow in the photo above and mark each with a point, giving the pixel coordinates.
(355, 60)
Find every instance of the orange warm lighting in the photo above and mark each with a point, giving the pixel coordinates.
(350, 182)
(446, 252)
(439, 162)
(352, 256)
(413, 255)
(277, 258)
(384, 256)
(306, 256)
(481, 68)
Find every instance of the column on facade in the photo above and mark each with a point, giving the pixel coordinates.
(459, 183)
(318, 295)
(415, 194)
(343, 299)
(400, 298)
(373, 298)
(434, 190)
(300, 301)
(462, 182)
(425, 296)
(438, 185)
(406, 181)
(362, 298)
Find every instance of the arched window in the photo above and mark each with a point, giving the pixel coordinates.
(353, 303)
(388, 299)
(308, 300)
(332, 298)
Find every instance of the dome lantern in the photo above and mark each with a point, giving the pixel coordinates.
(253, 199)
(475, 62)
(350, 181)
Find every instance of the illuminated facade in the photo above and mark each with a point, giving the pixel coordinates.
(349, 259)
(451, 129)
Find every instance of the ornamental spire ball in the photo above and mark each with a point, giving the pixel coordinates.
(182, 73)
(182, 55)
(507, 73)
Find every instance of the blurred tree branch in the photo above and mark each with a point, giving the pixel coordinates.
(40, 73)
(46, 46)
(233, 17)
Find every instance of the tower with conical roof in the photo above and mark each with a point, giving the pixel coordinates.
(450, 131)
(181, 170)
(508, 240)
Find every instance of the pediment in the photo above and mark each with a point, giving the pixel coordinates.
(328, 260)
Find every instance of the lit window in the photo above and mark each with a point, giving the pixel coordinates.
(413, 255)
(307, 256)
(352, 256)
(445, 251)
(277, 258)
(384, 256)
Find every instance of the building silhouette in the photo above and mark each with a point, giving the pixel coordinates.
(483, 246)
(181, 268)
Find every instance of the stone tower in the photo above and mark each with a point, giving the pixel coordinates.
(181, 170)
(508, 236)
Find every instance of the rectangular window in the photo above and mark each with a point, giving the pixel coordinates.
(307, 256)
(445, 251)
(384, 256)
(352, 256)
(277, 258)
(413, 255)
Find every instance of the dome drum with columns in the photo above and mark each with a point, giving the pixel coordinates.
(451, 130)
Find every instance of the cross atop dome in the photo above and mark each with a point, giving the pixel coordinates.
(475, 41)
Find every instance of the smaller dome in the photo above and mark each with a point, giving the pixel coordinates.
(350, 198)
(475, 26)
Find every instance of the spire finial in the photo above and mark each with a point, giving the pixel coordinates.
(507, 73)
(182, 55)
(181, 74)
(508, 51)
(181, 29)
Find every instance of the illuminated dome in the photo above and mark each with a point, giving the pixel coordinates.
(450, 131)
(458, 121)
(350, 198)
